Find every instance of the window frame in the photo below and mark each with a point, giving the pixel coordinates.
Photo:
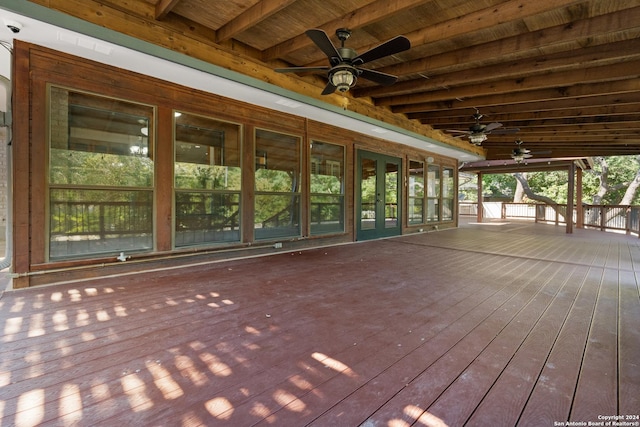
(411, 197)
(260, 152)
(52, 186)
(206, 191)
(342, 176)
(437, 197)
(448, 197)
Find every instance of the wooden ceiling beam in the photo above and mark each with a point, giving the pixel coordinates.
(373, 12)
(250, 17)
(620, 71)
(547, 40)
(607, 108)
(163, 7)
(593, 56)
(511, 167)
(564, 136)
(530, 96)
(614, 122)
(487, 18)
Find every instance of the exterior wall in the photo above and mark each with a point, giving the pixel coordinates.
(37, 68)
(3, 187)
(5, 73)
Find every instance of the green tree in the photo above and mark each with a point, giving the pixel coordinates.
(498, 185)
(612, 181)
(615, 180)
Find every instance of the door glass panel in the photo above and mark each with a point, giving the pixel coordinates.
(368, 195)
(391, 195)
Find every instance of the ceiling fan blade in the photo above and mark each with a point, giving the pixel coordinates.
(377, 76)
(390, 47)
(492, 126)
(329, 89)
(322, 40)
(300, 69)
(466, 132)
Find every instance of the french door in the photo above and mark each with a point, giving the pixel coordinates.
(378, 192)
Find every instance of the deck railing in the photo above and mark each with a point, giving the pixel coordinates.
(620, 218)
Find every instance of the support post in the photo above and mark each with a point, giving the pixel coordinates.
(570, 194)
(579, 207)
(480, 208)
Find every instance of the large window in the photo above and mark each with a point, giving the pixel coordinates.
(207, 178)
(327, 188)
(101, 175)
(416, 192)
(433, 193)
(277, 185)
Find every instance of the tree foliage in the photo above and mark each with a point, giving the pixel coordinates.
(612, 181)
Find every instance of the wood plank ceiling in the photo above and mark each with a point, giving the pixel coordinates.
(564, 72)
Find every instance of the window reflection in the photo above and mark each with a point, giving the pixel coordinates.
(327, 188)
(208, 180)
(433, 193)
(101, 175)
(448, 191)
(277, 185)
(416, 192)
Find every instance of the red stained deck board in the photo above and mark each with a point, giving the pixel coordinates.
(298, 324)
(420, 327)
(425, 372)
(395, 346)
(195, 346)
(597, 390)
(430, 386)
(552, 395)
(629, 344)
(507, 397)
(524, 343)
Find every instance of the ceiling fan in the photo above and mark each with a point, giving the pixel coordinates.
(345, 63)
(478, 132)
(519, 154)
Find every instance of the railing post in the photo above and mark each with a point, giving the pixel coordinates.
(579, 207)
(627, 220)
(603, 218)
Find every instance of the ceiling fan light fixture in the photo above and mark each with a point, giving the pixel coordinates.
(477, 139)
(343, 79)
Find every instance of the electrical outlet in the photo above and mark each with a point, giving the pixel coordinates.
(277, 245)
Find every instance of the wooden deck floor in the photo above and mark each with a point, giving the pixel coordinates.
(485, 325)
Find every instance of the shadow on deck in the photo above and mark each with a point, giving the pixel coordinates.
(497, 324)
